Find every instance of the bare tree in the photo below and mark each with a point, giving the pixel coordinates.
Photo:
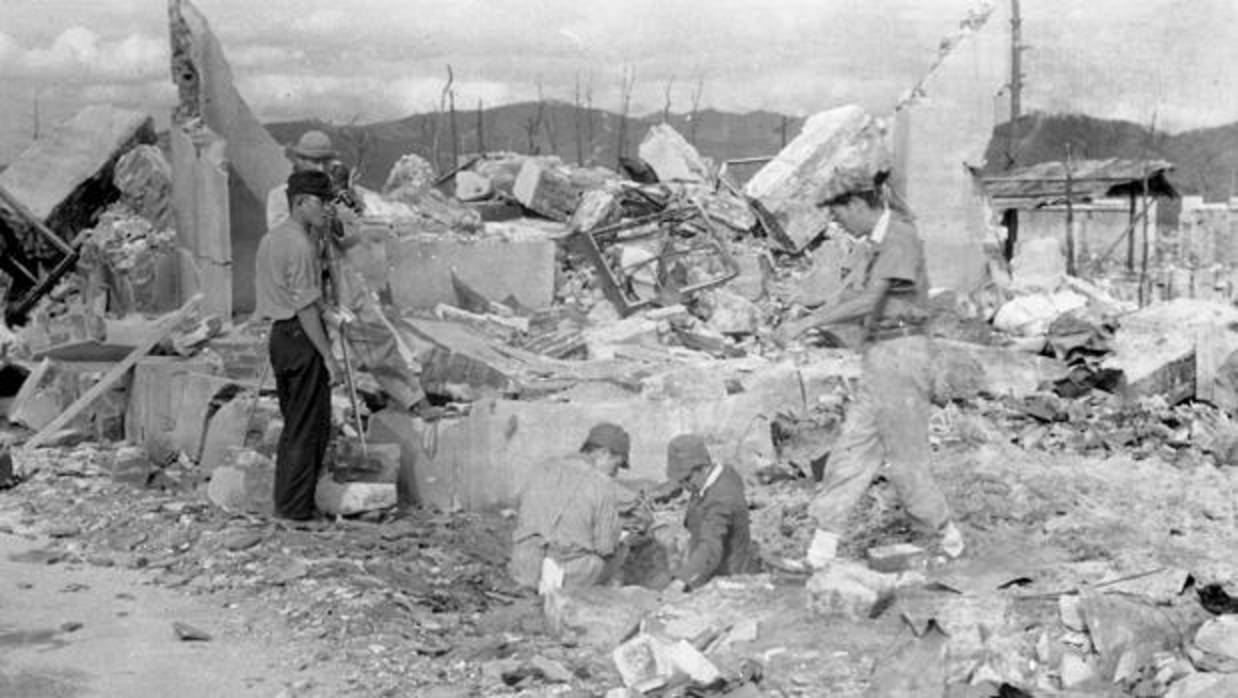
(534, 125)
(438, 120)
(548, 118)
(451, 110)
(576, 119)
(697, 93)
(626, 83)
(666, 105)
(481, 129)
(589, 134)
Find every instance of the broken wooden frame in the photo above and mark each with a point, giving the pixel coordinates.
(44, 285)
(665, 223)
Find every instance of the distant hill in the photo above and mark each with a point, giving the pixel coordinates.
(1205, 159)
(518, 127)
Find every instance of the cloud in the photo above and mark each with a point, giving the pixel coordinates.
(342, 98)
(80, 55)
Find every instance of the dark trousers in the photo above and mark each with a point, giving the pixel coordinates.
(304, 389)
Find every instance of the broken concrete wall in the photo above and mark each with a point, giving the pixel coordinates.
(482, 459)
(941, 135)
(200, 193)
(256, 163)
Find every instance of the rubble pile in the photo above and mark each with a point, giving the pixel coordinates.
(538, 298)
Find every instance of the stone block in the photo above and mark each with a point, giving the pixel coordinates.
(160, 398)
(471, 186)
(848, 589)
(245, 482)
(672, 157)
(420, 268)
(131, 465)
(225, 432)
(352, 498)
(731, 313)
(144, 177)
(963, 370)
(1217, 641)
(897, 557)
(378, 463)
(598, 617)
(790, 185)
(1204, 686)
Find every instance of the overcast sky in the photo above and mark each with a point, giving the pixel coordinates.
(372, 60)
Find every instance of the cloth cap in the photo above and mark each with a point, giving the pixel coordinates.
(311, 182)
(611, 437)
(683, 454)
(313, 145)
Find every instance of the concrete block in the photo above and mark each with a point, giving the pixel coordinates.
(672, 157)
(225, 432)
(790, 185)
(897, 557)
(848, 589)
(352, 498)
(731, 313)
(420, 269)
(598, 617)
(159, 397)
(244, 482)
(1204, 686)
(1217, 640)
(144, 177)
(471, 186)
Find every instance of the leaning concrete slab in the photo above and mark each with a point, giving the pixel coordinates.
(256, 163)
(80, 150)
(791, 184)
(672, 157)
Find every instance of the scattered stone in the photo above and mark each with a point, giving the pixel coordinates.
(1217, 643)
(243, 540)
(849, 589)
(898, 557)
(63, 530)
(100, 561)
(246, 482)
(188, 633)
(1076, 670)
(71, 626)
(552, 670)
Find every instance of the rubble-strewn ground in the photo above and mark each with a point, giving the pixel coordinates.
(423, 601)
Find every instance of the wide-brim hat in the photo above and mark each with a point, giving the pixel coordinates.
(313, 145)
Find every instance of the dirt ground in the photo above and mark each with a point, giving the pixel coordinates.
(80, 630)
(419, 608)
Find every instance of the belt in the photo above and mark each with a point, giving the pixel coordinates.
(881, 334)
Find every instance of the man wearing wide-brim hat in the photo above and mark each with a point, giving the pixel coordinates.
(312, 152)
(568, 526)
(886, 430)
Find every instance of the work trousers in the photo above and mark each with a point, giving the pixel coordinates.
(888, 423)
(304, 389)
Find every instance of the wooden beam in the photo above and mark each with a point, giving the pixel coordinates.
(109, 379)
(35, 222)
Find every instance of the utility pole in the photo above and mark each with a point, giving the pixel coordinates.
(1016, 67)
(1070, 214)
(1010, 218)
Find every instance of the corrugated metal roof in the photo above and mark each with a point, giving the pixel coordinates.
(1045, 183)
